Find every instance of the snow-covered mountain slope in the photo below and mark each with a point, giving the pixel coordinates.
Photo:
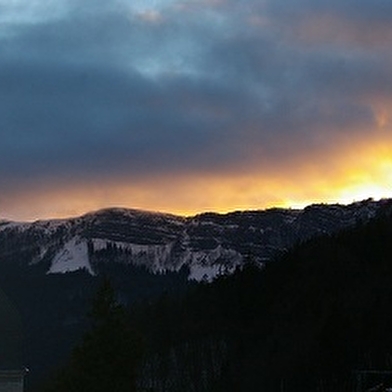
(207, 244)
(71, 257)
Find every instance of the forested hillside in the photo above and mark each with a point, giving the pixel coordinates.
(306, 321)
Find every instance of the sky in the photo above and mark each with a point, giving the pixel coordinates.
(190, 106)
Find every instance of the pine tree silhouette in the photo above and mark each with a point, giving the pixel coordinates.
(108, 356)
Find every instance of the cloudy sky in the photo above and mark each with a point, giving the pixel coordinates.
(192, 105)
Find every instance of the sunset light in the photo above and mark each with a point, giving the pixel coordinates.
(185, 106)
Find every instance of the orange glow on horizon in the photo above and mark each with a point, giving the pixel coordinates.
(360, 173)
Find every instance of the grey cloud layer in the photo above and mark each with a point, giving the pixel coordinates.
(106, 91)
(366, 11)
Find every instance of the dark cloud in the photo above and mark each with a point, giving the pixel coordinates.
(363, 11)
(351, 23)
(107, 91)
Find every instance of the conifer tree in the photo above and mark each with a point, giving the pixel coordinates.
(107, 358)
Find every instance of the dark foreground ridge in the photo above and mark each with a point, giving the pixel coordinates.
(310, 321)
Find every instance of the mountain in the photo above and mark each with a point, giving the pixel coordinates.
(308, 321)
(49, 269)
(207, 245)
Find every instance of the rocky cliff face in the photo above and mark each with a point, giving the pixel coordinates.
(207, 244)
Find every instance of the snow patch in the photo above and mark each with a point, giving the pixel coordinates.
(204, 265)
(202, 273)
(39, 257)
(72, 257)
(19, 226)
(208, 265)
(155, 257)
(49, 227)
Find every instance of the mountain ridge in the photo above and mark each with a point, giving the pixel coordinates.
(141, 211)
(209, 244)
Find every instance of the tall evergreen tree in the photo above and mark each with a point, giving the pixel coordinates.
(107, 358)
